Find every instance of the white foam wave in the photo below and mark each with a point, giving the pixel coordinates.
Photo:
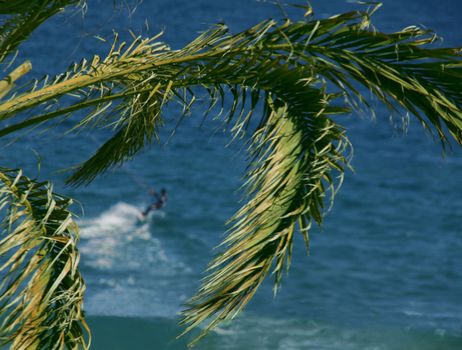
(106, 238)
(118, 219)
(126, 267)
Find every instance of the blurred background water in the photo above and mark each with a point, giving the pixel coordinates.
(385, 272)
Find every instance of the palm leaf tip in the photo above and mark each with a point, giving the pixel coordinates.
(41, 291)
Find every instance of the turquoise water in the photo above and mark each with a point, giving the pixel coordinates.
(384, 273)
(265, 333)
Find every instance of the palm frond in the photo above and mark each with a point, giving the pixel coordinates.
(294, 155)
(23, 17)
(399, 68)
(41, 290)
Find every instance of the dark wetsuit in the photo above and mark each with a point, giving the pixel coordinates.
(161, 199)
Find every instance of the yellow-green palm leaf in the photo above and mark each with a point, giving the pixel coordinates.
(41, 289)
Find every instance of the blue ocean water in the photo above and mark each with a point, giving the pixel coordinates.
(385, 271)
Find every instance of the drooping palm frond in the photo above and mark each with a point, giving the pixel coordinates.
(41, 290)
(24, 16)
(294, 156)
(295, 70)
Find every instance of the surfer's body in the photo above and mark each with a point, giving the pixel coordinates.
(161, 200)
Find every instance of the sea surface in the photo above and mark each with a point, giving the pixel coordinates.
(385, 270)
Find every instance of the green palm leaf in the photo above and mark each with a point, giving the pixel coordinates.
(294, 155)
(41, 290)
(24, 17)
(398, 68)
